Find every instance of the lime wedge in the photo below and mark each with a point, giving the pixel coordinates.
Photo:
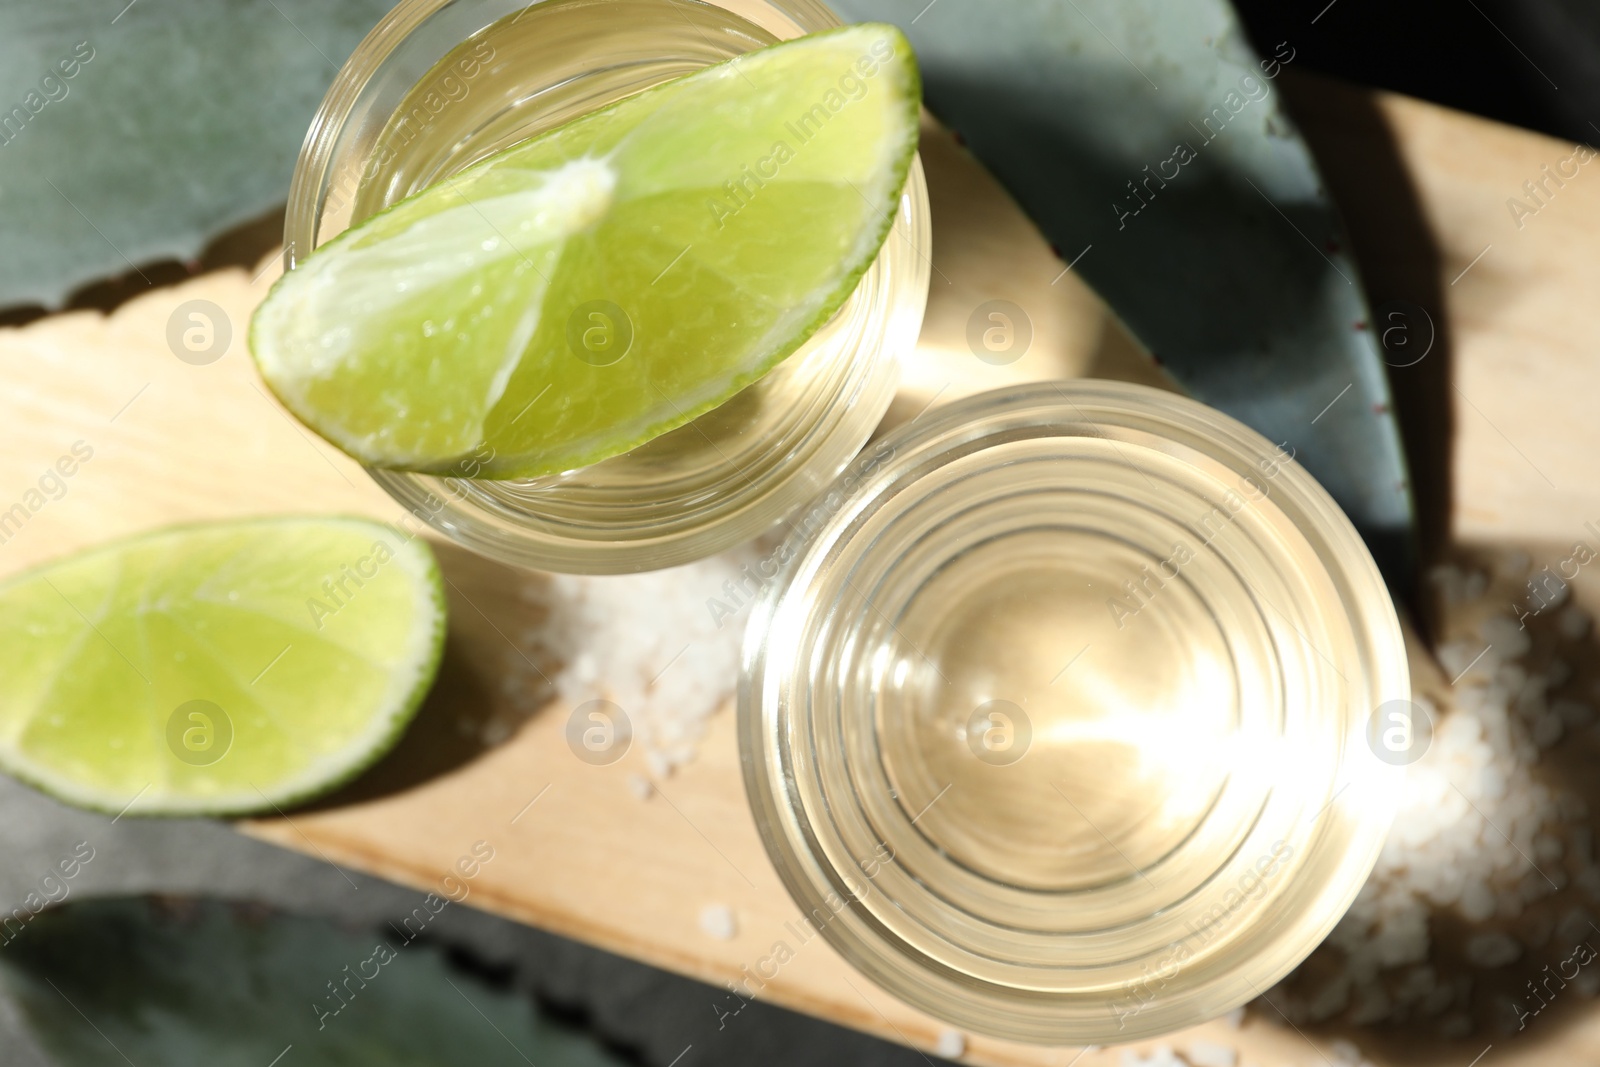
(598, 285)
(217, 669)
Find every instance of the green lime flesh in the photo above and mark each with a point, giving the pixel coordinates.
(591, 288)
(217, 669)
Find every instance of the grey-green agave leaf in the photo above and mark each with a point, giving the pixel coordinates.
(1149, 142)
(183, 981)
(134, 132)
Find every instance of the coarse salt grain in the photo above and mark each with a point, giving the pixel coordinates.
(1210, 1054)
(950, 1044)
(1506, 635)
(1473, 823)
(716, 920)
(1344, 1051)
(1160, 1056)
(1457, 656)
(1492, 950)
(651, 643)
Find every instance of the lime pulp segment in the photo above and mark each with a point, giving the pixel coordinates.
(217, 669)
(593, 287)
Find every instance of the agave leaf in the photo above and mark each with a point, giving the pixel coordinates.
(131, 133)
(206, 982)
(1226, 260)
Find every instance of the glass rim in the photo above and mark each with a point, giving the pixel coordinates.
(312, 164)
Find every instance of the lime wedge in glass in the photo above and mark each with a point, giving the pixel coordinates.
(597, 285)
(217, 669)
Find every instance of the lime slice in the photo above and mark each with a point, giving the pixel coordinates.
(217, 669)
(591, 288)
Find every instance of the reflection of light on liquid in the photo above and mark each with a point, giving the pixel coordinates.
(902, 671)
(889, 671)
(1178, 750)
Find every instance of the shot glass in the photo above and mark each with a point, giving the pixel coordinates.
(1058, 722)
(439, 85)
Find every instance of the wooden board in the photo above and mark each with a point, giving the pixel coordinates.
(576, 851)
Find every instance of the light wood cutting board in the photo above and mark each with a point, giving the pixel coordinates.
(576, 851)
